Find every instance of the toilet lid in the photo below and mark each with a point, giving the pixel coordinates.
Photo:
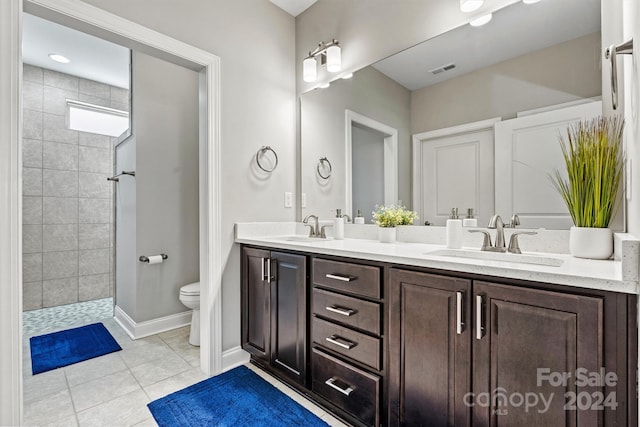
(190, 289)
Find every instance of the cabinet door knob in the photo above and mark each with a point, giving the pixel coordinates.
(331, 382)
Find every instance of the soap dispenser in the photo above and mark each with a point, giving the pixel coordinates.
(454, 230)
(470, 221)
(359, 219)
(338, 225)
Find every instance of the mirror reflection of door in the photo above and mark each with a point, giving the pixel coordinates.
(372, 164)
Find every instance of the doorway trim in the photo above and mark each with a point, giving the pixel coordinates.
(101, 23)
(390, 157)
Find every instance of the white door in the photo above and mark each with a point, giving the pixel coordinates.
(454, 169)
(527, 151)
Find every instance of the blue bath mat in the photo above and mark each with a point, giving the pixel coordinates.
(58, 349)
(238, 397)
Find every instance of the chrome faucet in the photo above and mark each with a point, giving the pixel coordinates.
(314, 230)
(496, 223)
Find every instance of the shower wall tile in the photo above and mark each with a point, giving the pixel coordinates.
(32, 95)
(60, 156)
(103, 102)
(32, 267)
(31, 295)
(58, 265)
(59, 183)
(55, 129)
(32, 124)
(59, 291)
(57, 238)
(31, 182)
(31, 239)
(31, 210)
(94, 185)
(60, 80)
(31, 73)
(94, 88)
(93, 287)
(59, 210)
(94, 140)
(94, 236)
(120, 95)
(55, 100)
(94, 211)
(95, 160)
(94, 261)
(120, 106)
(31, 153)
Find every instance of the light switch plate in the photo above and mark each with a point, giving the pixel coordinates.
(288, 199)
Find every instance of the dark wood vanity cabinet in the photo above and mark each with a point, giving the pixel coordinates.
(274, 315)
(469, 352)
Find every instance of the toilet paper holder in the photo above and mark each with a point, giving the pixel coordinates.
(144, 258)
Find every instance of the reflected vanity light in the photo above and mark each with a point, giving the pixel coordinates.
(329, 53)
(324, 85)
(481, 20)
(347, 76)
(470, 5)
(59, 58)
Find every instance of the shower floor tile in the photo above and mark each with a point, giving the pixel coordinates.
(42, 321)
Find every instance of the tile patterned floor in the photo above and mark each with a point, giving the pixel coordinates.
(50, 319)
(114, 390)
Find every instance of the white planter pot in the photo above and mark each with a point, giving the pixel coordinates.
(387, 234)
(592, 243)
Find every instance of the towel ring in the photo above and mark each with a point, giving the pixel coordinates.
(322, 164)
(261, 152)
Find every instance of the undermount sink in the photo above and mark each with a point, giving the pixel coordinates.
(305, 239)
(498, 256)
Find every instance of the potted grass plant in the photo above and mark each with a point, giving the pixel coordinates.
(592, 151)
(388, 217)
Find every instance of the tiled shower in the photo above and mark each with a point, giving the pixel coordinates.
(68, 217)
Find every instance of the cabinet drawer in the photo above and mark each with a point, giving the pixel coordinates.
(348, 342)
(351, 311)
(354, 390)
(354, 278)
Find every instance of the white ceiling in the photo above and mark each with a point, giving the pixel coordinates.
(513, 31)
(293, 7)
(90, 57)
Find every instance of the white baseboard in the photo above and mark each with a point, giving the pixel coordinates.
(234, 357)
(151, 327)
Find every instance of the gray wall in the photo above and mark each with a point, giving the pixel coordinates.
(322, 124)
(255, 41)
(67, 200)
(164, 215)
(565, 72)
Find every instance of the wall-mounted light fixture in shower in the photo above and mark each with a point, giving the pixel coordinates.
(329, 53)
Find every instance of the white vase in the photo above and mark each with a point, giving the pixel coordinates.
(387, 234)
(589, 242)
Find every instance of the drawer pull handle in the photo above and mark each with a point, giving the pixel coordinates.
(346, 344)
(340, 277)
(331, 383)
(340, 310)
(459, 314)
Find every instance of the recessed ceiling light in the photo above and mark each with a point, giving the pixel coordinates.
(324, 85)
(59, 58)
(347, 76)
(481, 20)
(530, 1)
(470, 5)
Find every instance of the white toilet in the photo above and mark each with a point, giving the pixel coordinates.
(190, 296)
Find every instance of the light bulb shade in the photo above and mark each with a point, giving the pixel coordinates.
(334, 59)
(309, 70)
(470, 5)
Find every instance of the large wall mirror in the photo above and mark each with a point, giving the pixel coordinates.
(392, 127)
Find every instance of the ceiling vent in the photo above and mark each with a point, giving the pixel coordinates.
(442, 69)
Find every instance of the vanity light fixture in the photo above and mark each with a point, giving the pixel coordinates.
(59, 58)
(481, 20)
(329, 53)
(470, 5)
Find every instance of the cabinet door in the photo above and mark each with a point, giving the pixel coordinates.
(429, 355)
(255, 302)
(527, 347)
(288, 314)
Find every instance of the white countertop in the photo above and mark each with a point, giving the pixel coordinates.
(592, 274)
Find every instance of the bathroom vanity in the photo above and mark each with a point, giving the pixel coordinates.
(408, 334)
